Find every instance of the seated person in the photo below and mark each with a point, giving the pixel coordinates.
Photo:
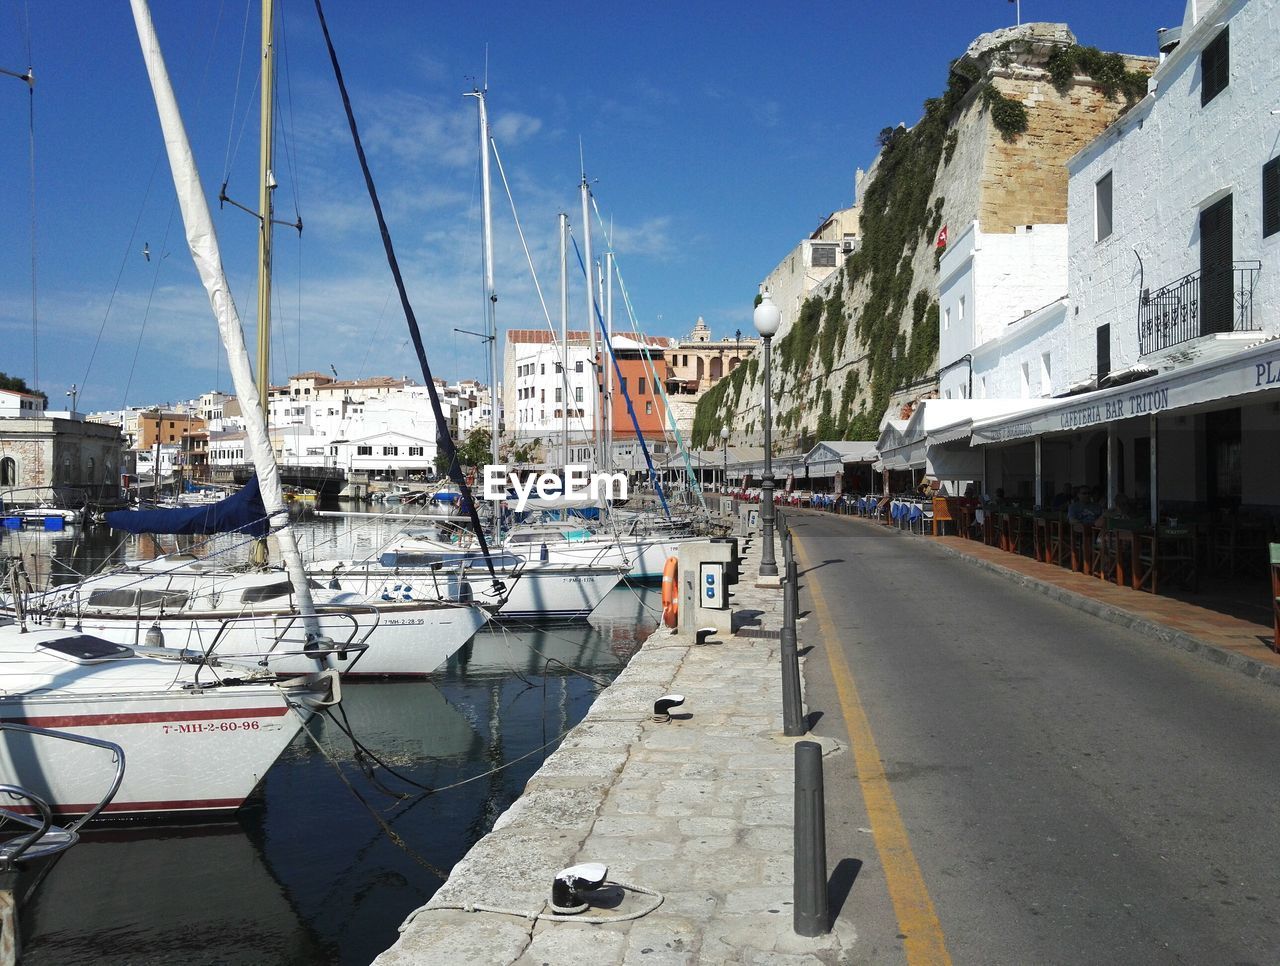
(1083, 509)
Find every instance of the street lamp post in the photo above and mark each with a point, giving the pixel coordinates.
(724, 466)
(766, 319)
(73, 392)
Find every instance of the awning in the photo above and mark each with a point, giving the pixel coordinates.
(923, 442)
(1245, 373)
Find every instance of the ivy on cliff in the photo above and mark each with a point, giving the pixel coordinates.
(1107, 71)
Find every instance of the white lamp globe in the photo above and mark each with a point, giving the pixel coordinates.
(767, 318)
(724, 434)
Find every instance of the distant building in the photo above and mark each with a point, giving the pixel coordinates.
(812, 262)
(55, 456)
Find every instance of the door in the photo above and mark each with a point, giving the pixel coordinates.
(1216, 302)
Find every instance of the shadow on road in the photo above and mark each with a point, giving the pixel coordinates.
(841, 884)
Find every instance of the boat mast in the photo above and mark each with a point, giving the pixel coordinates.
(258, 553)
(202, 239)
(608, 372)
(490, 295)
(596, 369)
(266, 184)
(564, 330)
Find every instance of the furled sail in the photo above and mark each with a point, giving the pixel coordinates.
(241, 512)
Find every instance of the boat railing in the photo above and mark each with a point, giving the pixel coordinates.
(43, 838)
(288, 636)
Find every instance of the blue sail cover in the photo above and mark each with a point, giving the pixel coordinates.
(241, 512)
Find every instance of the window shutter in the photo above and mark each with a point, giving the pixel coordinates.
(1216, 299)
(1104, 351)
(1271, 197)
(1215, 67)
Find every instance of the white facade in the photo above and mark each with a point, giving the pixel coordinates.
(989, 286)
(806, 267)
(535, 389)
(1026, 361)
(1166, 163)
(20, 405)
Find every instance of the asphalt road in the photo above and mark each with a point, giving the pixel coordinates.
(1071, 791)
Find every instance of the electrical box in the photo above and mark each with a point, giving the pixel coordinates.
(711, 585)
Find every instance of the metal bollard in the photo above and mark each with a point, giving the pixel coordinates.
(809, 892)
(793, 724)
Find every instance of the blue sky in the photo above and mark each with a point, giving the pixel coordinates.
(717, 136)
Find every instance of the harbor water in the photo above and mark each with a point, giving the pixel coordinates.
(358, 822)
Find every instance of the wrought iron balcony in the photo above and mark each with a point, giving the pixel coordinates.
(1194, 306)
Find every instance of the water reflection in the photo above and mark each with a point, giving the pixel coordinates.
(309, 873)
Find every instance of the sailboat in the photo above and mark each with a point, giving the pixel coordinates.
(552, 528)
(199, 733)
(179, 601)
(413, 565)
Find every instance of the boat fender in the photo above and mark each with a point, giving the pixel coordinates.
(670, 592)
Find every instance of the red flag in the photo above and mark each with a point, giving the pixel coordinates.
(942, 237)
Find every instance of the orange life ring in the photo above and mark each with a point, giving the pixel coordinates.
(670, 592)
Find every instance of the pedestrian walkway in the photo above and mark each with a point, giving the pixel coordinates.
(1225, 639)
(695, 813)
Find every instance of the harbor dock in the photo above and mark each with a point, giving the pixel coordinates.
(695, 811)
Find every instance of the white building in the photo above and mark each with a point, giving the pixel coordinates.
(536, 388)
(811, 263)
(1174, 288)
(1001, 302)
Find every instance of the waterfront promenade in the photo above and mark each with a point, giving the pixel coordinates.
(697, 809)
(1016, 772)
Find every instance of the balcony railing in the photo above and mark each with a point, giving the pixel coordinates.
(1181, 311)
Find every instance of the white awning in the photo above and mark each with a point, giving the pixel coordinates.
(1245, 373)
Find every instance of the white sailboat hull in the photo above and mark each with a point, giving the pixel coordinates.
(251, 615)
(411, 639)
(196, 739)
(536, 592)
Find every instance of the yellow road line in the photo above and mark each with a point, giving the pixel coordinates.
(917, 920)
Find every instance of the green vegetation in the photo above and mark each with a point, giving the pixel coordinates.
(1105, 70)
(795, 349)
(833, 326)
(18, 384)
(1008, 115)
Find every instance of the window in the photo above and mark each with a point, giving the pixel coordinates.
(641, 384)
(623, 380)
(1102, 208)
(946, 319)
(577, 366)
(415, 450)
(577, 397)
(8, 472)
(391, 451)
(960, 310)
(542, 395)
(824, 256)
(559, 367)
(544, 369)
(559, 394)
(648, 408)
(1026, 380)
(1215, 67)
(1103, 337)
(364, 450)
(1046, 375)
(1271, 197)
